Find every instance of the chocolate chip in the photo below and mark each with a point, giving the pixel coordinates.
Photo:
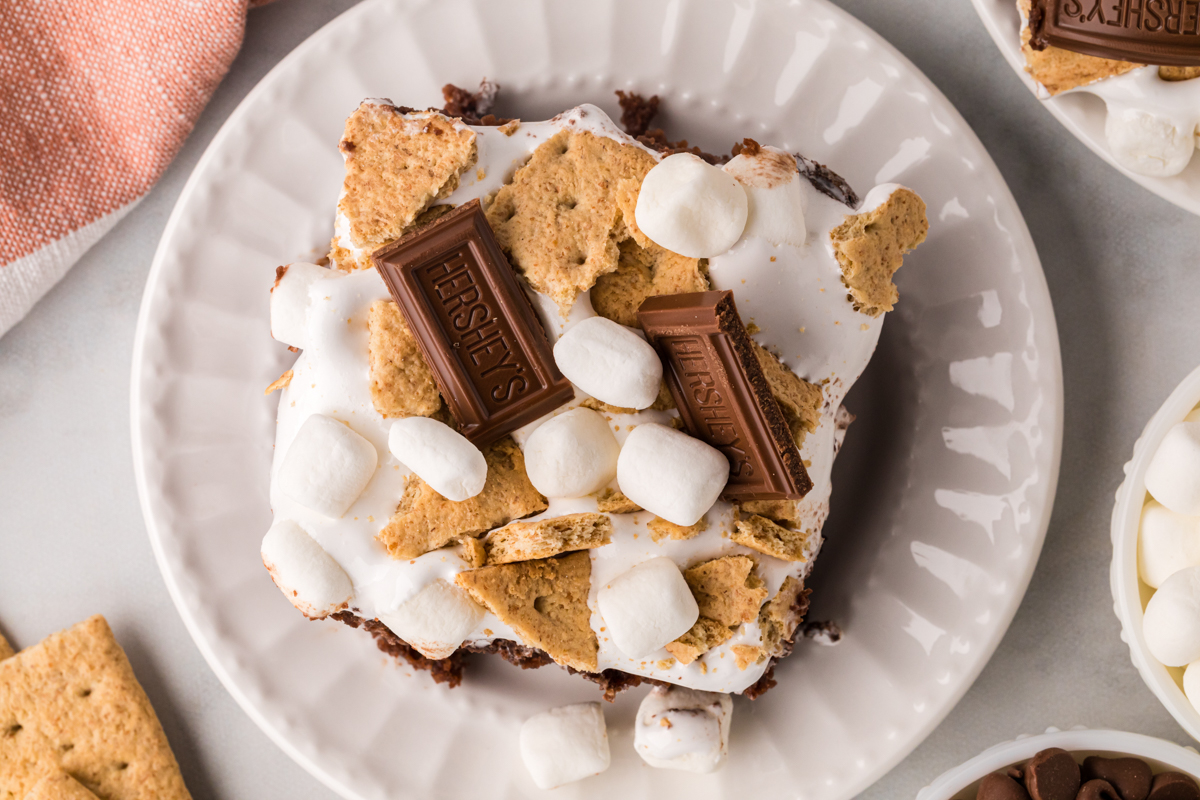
(1131, 777)
(1052, 775)
(1173, 786)
(1097, 790)
(1000, 787)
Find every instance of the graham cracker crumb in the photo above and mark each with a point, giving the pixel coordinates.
(727, 590)
(59, 786)
(1178, 73)
(761, 534)
(1059, 70)
(614, 501)
(544, 602)
(510, 127)
(702, 637)
(746, 654)
(870, 247)
(662, 529)
(424, 520)
(703, 668)
(799, 400)
(72, 704)
(665, 663)
(604, 408)
(543, 538)
(780, 615)
(402, 384)
(473, 552)
(397, 164)
(280, 382)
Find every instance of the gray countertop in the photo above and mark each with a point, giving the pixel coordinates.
(1123, 268)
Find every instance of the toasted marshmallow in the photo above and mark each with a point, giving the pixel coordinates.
(436, 620)
(565, 744)
(647, 606)
(572, 454)
(1173, 477)
(1148, 144)
(290, 302)
(440, 456)
(691, 207)
(775, 208)
(306, 574)
(671, 474)
(327, 466)
(610, 362)
(1167, 543)
(1171, 623)
(683, 729)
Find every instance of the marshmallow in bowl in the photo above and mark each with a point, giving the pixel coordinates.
(572, 454)
(565, 744)
(775, 208)
(610, 362)
(1167, 543)
(691, 207)
(436, 620)
(1148, 144)
(440, 456)
(1173, 477)
(1171, 624)
(327, 466)
(683, 729)
(671, 474)
(306, 574)
(647, 606)
(290, 302)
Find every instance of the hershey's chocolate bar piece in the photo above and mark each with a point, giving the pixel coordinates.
(1163, 32)
(722, 393)
(486, 347)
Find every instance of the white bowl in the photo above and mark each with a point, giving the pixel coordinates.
(962, 782)
(1130, 595)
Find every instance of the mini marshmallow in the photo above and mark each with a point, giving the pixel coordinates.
(775, 208)
(1173, 477)
(691, 207)
(327, 466)
(610, 362)
(572, 454)
(1146, 143)
(670, 474)
(565, 744)
(306, 574)
(647, 606)
(440, 456)
(290, 303)
(683, 729)
(1171, 624)
(1167, 543)
(436, 620)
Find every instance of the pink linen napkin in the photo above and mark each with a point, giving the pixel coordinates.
(96, 98)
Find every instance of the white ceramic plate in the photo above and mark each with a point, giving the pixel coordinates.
(1081, 113)
(943, 490)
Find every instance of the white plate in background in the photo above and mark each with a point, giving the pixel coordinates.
(1081, 113)
(942, 494)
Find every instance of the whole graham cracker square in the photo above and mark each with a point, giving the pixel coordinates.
(71, 704)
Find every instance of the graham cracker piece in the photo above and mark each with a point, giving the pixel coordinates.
(402, 384)
(396, 165)
(424, 520)
(282, 382)
(662, 529)
(702, 637)
(782, 512)
(473, 552)
(602, 407)
(1059, 70)
(761, 534)
(614, 501)
(799, 400)
(59, 786)
(71, 704)
(726, 589)
(544, 602)
(870, 247)
(543, 538)
(1174, 74)
(746, 654)
(6, 650)
(780, 616)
